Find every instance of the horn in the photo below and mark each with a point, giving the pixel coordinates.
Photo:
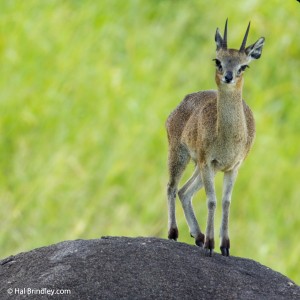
(224, 46)
(243, 46)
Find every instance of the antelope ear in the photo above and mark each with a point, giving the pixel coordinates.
(254, 51)
(218, 40)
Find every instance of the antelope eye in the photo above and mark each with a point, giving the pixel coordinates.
(218, 65)
(242, 68)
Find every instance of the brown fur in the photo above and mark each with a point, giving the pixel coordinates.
(193, 124)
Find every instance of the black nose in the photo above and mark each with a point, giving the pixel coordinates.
(228, 77)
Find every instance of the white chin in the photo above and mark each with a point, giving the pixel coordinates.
(229, 83)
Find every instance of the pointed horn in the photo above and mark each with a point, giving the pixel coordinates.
(225, 36)
(243, 46)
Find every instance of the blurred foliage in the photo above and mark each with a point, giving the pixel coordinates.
(85, 89)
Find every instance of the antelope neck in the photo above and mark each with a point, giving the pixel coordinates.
(231, 116)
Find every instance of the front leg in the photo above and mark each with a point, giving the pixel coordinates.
(208, 175)
(228, 182)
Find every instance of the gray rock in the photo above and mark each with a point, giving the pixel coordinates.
(137, 268)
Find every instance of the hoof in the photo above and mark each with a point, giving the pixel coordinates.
(225, 245)
(173, 234)
(209, 252)
(209, 246)
(199, 240)
(224, 251)
(199, 243)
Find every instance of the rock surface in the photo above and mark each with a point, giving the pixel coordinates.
(137, 268)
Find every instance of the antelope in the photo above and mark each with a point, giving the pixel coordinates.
(216, 129)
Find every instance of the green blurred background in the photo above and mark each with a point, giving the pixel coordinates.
(85, 89)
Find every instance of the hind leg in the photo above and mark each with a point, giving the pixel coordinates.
(177, 162)
(185, 195)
